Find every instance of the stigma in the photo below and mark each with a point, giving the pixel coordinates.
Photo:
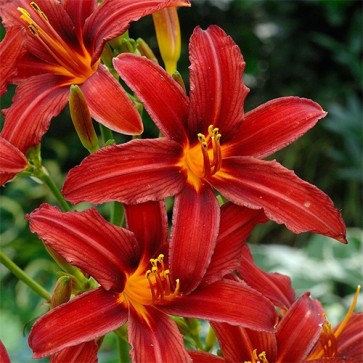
(159, 281)
(67, 60)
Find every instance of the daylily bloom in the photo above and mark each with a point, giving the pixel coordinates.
(60, 45)
(295, 336)
(141, 282)
(209, 143)
(12, 161)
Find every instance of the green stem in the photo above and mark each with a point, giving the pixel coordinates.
(122, 346)
(117, 214)
(106, 134)
(46, 179)
(21, 275)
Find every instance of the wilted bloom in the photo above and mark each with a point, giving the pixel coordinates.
(12, 161)
(141, 283)
(60, 45)
(209, 143)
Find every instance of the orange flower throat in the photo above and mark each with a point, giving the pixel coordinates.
(149, 288)
(204, 159)
(74, 63)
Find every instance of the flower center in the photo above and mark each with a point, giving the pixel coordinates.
(205, 158)
(74, 63)
(151, 287)
(258, 358)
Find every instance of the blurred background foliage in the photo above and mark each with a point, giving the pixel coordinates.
(307, 48)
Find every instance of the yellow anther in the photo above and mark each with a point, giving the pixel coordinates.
(201, 138)
(33, 29)
(37, 9)
(25, 14)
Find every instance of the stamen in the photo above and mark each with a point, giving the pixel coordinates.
(206, 162)
(39, 11)
(160, 285)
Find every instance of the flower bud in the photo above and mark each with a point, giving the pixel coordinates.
(167, 30)
(62, 291)
(145, 50)
(82, 120)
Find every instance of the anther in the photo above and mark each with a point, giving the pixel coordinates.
(33, 29)
(37, 9)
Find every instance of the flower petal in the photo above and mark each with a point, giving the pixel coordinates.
(84, 352)
(226, 301)
(235, 226)
(274, 125)
(350, 341)
(193, 237)
(150, 214)
(155, 340)
(168, 107)
(37, 100)
(274, 286)
(11, 159)
(284, 197)
(238, 344)
(120, 114)
(4, 356)
(299, 329)
(11, 49)
(88, 241)
(204, 357)
(82, 319)
(217, 92)
(135, 172)
(113, 17)
(79, 11)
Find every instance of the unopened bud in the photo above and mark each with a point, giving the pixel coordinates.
(62, 291)
(82, 120)
(167, 30)
(178, 78)
(145, 50)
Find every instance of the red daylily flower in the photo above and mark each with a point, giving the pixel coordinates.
(193, 154)
(344, 343)
(295, 336)
(142, 279)
(4, 356)
(12, 161)
(53, 45)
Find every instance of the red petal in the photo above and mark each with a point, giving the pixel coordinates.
(88, 241)
(37, 100)
(150, 214)
(217, 92)
(350, 341)
(168, 107)
(204, 357)
(4, 356)
(11, 49)
(11, 159)
(120, 114)
(274, 286)
(238, 344)
(84, 318)
(79, 11)
(193, 236)
(299, 329)
(235, 226)
(274, 125)
(284, 197)
(85, 352)
(156, 339)
(135, 172)
(113, 17)
(226, 301)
